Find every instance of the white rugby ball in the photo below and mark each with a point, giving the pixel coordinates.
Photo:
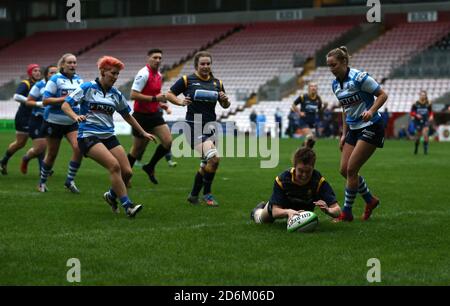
(305, 221)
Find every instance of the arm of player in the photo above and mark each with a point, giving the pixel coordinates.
(131, 121)
(69, 112)
(223, 100)
(173, 99)
(136, 95)
(20, 98)
(381, 99)
(333, 210)
(279, 212)
(53, 101)
(31, 102)
(344, 131)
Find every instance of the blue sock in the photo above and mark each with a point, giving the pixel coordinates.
(112, 193)
(45, 172)
(73, 168)
(350, 196)
(364, 190)
(125, 202)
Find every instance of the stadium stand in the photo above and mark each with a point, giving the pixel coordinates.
(45, 48)
(380, 58)
(261, 52)
(131, 46)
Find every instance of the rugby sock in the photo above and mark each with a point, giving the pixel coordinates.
(417, 146)
(112, 193)
(350, 196)
(198, 184)
(125, 202)
(159, 153)
(73, 168)
(6, 157)
(131, 159)
(207, 181)
(41, 160)
(364, 190)
(45, 172)
(168, 156)
(425, 147)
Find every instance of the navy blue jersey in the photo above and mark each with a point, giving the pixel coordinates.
(23, 89)
(421, 109)
(204, 95)
(290, 195)
(309, 106)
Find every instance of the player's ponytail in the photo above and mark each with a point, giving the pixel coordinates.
(341, 54)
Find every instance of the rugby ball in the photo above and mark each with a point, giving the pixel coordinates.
(305, 221)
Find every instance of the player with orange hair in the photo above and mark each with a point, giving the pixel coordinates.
(98, 101)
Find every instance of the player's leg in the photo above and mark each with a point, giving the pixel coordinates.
(418, 135)
(53, 144)
(211, 163)
(16, 145)
(426, 137)
(355, 183)
(350, 195)
(75, 161)
(262, 213)
(37, 150)
(107, 159)
(165, 137)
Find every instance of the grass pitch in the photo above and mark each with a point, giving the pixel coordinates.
(173, 243)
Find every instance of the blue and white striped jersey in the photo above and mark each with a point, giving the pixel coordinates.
(98, 107)
(356, 95)
(37, 92)
(58, 86)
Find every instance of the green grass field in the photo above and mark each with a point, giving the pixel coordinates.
(173, 243)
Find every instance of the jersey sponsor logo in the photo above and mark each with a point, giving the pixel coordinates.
(368, 134)
(355, 99)
(196, 84)
(102, 108)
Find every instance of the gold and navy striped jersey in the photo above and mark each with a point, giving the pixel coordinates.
(289, 194)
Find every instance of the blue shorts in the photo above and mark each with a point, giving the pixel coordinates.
(86, 143)
(373, 134)
(36, 127)
(54, 130)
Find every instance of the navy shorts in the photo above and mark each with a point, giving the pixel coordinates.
(373, 134)
(148, 122)
(307, 124)
(36, 127)
(420, 125)
(54, 130)
(86, 143)
(21, 122)
(194, 138)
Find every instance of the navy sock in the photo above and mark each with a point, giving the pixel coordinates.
(45, 172)
(159, 153)
(425, 147)
(198, 184)
(6, 157)
(73, 169)
(207, 182)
